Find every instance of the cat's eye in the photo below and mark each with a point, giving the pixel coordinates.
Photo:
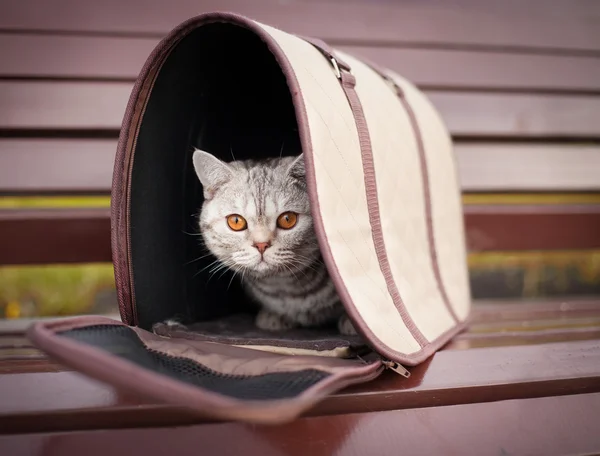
(287, 220)
(236, 222)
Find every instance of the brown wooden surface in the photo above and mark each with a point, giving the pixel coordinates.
(529, 24)
(54, 236)
(548, 426)
(83, 235)
(40, 396)
(543, 227)
(42, 165)
(120, 58)
(73, 105)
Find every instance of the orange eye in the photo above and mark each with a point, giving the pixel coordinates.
(287, 220)
(237, 222)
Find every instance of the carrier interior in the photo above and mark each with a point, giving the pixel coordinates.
(222, 90)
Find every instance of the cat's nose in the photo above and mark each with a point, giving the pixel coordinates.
(262, 246)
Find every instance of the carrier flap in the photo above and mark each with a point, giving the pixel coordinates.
(216, 381)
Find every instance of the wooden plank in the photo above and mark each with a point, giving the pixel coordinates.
(509, 323)
(498, 70)
(76, 56)
(63, 236)
(94, 105)
(79, 165)
(549, 426)
(480, 114)
(532, 228)
(511, 8)
(72, 235)
(34, 402)
(63, 105)
(35, 165)
(533, 310)
(528, 167)
(416, 23)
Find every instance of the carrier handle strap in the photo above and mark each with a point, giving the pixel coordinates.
(340, 64)
(348, 83)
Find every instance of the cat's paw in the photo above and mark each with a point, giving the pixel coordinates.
(270, 321)
(346, 327)
(174, 322)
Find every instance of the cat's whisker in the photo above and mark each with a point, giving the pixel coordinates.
(290, 270)
(281, 151)
(221, 267)
(209, 265)
(233, 276)
(199, 258)
(191, 234)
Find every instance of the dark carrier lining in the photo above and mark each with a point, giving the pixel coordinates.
(123, 342)
(221, 90)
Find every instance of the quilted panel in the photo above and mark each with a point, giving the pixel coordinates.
(446, 204)
(341, 192)
(401, 200)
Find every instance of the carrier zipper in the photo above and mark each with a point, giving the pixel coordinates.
(396, 367)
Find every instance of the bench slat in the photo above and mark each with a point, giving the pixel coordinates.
(38, 166)
(34, 401)
(537, 323)
(101, 105)
(97, 57)
(549, 426)
(83, 235)
(407, 22)
(54, 236)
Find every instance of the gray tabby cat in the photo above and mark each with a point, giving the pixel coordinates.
(256, 220)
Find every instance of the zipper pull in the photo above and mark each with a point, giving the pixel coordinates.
(396, 367)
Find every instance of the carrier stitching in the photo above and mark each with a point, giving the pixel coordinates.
(426, 190)
(384, 74)
(346, 242)
(348, 82)
(349, 248)
(347, 167)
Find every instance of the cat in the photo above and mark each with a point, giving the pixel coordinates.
(256, 221)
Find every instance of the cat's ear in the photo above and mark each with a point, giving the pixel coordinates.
(296, 170)
(211, 171)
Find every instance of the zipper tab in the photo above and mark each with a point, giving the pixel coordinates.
(396, 367)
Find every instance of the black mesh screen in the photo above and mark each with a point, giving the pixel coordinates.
(123, 342)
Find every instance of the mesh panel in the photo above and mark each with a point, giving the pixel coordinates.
(123, 342)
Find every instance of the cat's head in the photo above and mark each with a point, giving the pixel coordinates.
(256, 214)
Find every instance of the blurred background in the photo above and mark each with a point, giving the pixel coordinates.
(517, 82)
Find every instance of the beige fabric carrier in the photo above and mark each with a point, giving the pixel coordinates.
(385, 200)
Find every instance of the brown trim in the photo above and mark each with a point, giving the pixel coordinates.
(127, 376)
(425, 176)
(348, 84)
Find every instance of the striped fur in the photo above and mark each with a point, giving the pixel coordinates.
(289, 280)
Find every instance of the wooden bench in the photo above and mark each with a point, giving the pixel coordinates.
(522, 103)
